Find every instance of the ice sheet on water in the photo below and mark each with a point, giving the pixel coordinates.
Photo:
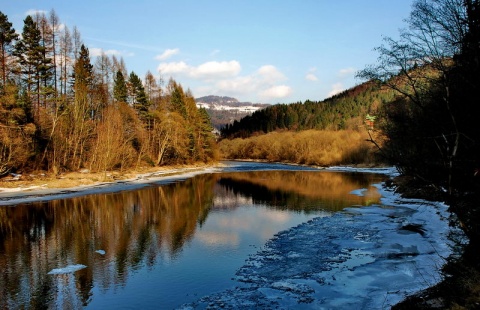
(360, 258)
(67, 269)
(392, 171)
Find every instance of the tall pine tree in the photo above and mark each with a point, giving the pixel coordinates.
(120, 93)
(7, 37)
(137, 94)
(30, 55)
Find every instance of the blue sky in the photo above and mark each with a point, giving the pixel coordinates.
(265, 51)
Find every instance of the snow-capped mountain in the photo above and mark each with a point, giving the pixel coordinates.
(224, 110)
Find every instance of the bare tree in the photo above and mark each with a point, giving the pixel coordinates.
(103, 67)
(66, 48)
(423, 67)
(77, 42)
(55, 24)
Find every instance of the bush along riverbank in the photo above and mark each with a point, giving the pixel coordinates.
(460, 288)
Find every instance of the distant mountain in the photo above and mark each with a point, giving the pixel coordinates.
(225, 110)
(217, 99)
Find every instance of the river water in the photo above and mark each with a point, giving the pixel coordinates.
(208, 241)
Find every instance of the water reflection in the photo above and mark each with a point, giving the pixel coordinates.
(302, 190)
(138, 231)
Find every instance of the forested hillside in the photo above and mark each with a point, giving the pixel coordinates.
(346, 110)
(62, 110)
(335, 131)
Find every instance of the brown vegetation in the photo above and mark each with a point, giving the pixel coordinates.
(310, 147)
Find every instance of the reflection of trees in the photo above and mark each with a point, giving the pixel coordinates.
(301, 190)
(137, 229)
(134, 228)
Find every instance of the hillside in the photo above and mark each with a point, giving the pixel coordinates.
(346, 110)
(225, 110)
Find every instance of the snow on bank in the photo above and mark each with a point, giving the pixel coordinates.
(361, 258)
(14, 196)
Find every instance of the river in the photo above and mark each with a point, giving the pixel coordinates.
(247, 235)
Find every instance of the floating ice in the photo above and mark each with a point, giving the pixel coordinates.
(392, 171)
(101, 252)
(67, 269)
(361, 258)
(359, 192)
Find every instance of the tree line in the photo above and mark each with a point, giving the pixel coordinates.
(62, 110)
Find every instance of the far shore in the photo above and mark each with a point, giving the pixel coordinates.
(16, 189)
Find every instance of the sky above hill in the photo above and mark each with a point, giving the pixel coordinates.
(264, 51)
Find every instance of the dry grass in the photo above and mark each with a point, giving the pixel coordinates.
(73, 179)
(310, 147)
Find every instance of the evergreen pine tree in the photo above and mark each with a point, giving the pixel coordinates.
(176, 99)
(7, 36)
(30, 56)
(82, 84)
(119, 88)
(137, 93)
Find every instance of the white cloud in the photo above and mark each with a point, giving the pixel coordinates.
(311, 77)
(270, 73)
(262, 83)
(208, 70)
(95, 51)
(346, 72)
(173, 68)
(276, 92)
(336, 88)
(167, 54)
(215, 69)
(237, 85)
(33, 12)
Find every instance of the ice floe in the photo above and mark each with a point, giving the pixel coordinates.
(67, 269)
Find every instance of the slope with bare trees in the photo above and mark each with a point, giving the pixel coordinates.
(63, 110)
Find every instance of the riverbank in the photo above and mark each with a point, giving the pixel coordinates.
(460, 288)
(41, 186)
